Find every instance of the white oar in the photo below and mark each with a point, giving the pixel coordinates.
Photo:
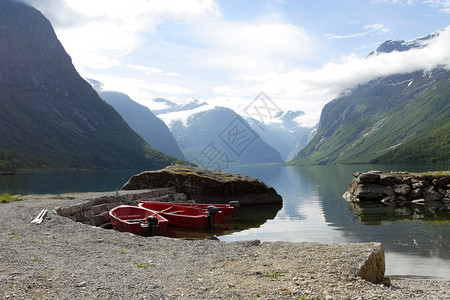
(40, 217)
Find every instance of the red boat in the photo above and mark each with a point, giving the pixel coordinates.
(137, 220)
(226, 209)
(184, 216)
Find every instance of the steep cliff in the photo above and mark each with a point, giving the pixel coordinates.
(50, 116)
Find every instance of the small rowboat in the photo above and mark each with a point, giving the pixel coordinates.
(226, 209)
(184, 216)
(137, 220)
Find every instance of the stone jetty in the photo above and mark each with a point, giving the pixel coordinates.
(430, 190)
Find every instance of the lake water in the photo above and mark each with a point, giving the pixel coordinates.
(313, 210)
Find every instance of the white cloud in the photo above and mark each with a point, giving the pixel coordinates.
(182, 116)
(97, 33)
(164, 88)
(141, 90)
(370, 29)
(147, 70)
(441, 5)
(241, 45)
(175, 74)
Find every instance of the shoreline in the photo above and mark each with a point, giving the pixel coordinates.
(64, 259)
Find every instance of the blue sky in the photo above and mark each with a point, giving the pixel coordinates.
(302, 54)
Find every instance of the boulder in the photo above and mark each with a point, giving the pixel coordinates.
(348, 196)
(417, 185)
(442, 191)
(206, 186)
(402, 189)
(372, 192)
(430, 194)
(374, 267)
(416, 193)
(440, 182)
(387, 180)
(368, 178)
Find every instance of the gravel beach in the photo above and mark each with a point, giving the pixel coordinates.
(62, 259)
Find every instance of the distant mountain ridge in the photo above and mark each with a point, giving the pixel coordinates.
(283, 132)
(144, 122)
(50, 117)
(208, 132)
(401, 118)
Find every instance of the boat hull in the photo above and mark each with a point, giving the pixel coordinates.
(182, 216)
(127, 218)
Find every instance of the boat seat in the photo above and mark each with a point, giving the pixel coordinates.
(134, 221)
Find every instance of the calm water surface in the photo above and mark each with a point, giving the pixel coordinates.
(313, 210)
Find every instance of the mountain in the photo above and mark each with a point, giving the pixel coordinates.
(401, 46)
(144, 122)
(403, 113)
(401, 118)
(284, 132)
(50, 117)
(217, 137)
(164, 106)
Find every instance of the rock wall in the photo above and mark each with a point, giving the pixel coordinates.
(431, 190)
(95, 211)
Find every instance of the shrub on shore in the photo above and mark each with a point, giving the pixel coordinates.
(6, 198)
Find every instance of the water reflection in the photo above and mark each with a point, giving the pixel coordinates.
(314, 210)
(370, 213)
(425, 238)
(243, 218)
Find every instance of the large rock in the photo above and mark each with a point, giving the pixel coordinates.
(430, 194)
(368, 178)
(373, 268)
(372, 192)
(206, 186)
(402, 189)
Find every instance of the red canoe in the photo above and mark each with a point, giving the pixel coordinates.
(184, 216)
(137, 220)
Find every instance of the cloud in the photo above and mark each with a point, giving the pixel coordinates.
(441, 5)
(145, 69)
(370, 29)
(242, 45)
(97, 33)
(175, 74)
(140, 90)
(310, 90)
